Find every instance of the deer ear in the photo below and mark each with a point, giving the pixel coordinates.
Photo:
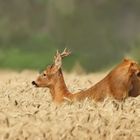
(133, 68)
(58, 60)
(55, 69)
(126, 60)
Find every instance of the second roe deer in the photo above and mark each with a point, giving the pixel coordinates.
(119, 83)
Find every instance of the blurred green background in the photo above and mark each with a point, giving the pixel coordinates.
(99, 32)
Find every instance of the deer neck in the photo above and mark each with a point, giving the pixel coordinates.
(59, 90)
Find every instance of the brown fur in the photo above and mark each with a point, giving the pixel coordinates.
(135, 91)
(120, 83)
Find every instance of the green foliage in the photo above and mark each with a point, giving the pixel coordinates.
(99, 32)
(35, 53)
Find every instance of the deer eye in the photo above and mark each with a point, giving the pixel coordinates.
(138, 74)
(44, 74)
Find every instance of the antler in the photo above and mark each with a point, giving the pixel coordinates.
(65, 53)
(58, 57)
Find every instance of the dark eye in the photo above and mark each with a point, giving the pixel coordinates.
(44, 74)
(138, 74)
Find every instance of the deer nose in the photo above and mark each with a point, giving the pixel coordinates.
(34, 83)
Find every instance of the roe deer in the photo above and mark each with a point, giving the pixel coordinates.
(119, 83)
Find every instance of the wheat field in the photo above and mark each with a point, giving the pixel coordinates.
(27, 113)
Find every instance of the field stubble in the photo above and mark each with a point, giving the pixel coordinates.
(27, 112)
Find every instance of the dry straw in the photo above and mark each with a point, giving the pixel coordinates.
(28, 113)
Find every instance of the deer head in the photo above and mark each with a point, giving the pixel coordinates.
(52, 73)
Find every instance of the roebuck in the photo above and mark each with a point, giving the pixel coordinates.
(119, 83)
